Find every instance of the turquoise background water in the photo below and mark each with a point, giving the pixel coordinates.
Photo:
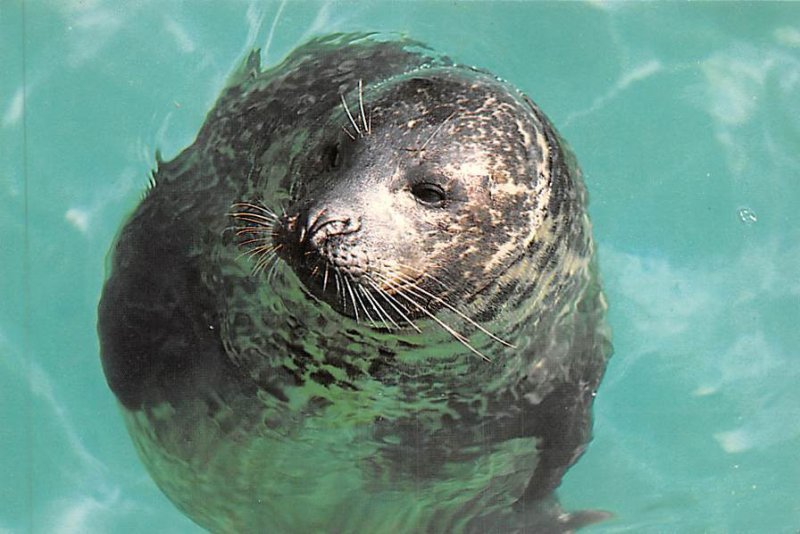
(685, 117)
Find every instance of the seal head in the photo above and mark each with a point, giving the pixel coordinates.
(421, 195)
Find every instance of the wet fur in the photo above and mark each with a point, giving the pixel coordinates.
(254, 396)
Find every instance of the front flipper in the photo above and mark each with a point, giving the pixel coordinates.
(544, 516)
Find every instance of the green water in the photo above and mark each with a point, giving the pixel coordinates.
(685, 117)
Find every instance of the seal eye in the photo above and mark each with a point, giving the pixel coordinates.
(429, 194)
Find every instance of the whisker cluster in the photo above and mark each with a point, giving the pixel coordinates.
(255, 230)
(391, 301)
(365, 127)
(411, 292)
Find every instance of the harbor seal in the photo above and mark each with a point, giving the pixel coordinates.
(363, 300)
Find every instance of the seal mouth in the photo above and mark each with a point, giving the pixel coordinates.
(322, 248)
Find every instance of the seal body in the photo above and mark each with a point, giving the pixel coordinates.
(364, 299)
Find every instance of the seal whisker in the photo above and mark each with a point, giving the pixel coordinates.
(352, 297)
(243, 206)
(424, 293)
(256, 240)
(255, 230)
(255, 251)
(262, 263)
(254, 254)
(268, 246)
(258, 207)
(325, 279)
(252, 205)
(429, 276)
(350, 116)
(259, 265)
(258, 226)
(361, 105)
(337, 278)
(378, 308)
(242, 230)
(396, 276)
(251, 217)
(363, 306)
(261, 252)
(267, 254)
(254, 224)
(353, 137)
(392, 301)
(450, 330)
(273, 270)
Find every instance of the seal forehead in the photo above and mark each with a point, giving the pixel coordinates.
(469, 116)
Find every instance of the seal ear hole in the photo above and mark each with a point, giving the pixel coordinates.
(429, 194)
(331, 158)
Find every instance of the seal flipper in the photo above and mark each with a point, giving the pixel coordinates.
(157, 326)
(545, 516)
(584, 518)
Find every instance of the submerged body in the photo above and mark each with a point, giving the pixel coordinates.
(363, 300)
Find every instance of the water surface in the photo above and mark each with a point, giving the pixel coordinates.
(685, 117)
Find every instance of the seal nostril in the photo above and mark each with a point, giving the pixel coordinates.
(325, 224)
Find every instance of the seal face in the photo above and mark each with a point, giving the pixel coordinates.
(369, 286)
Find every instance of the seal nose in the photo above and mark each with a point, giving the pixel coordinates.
(325, 223)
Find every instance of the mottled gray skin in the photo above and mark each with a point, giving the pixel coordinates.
(424, 354)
